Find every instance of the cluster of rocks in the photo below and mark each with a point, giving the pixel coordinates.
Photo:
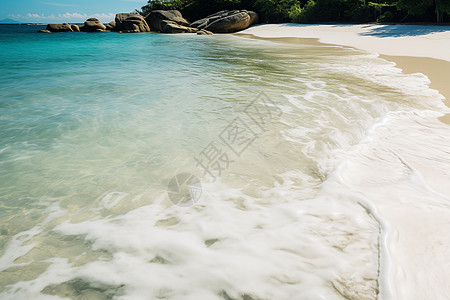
(166, 21)
(122, 23)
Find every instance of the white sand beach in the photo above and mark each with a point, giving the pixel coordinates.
(414, 48)
(396, 40)
(414, 220)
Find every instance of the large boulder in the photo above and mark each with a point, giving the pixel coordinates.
(111, 26)
(155, 18)
(231, 23)
(93, 25)
(227, 21)
(202, 23)
(172, 27)
(75, 27)
(59, 27)
(204, 32)
(254, 19)
(131, 23)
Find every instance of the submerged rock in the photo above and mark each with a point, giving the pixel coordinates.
(155, 18)
(44, 31)
(227, 21)
(93, 25)
(131, 23)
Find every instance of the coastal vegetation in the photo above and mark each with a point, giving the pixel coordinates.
(315, 11)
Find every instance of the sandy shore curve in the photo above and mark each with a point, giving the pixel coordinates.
(413, 48)
(418, 243)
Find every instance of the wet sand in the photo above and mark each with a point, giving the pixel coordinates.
(416, 234)
(437, 70)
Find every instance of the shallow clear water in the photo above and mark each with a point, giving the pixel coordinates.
(94, 126)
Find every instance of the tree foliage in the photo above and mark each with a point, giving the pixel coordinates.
(313, 11)
(418, 7)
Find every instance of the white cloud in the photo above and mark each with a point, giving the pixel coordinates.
(34, 16)
(65, 17)
(58, 4)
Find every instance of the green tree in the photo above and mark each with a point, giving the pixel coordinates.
(275, 10)
(310, 11)
(419, 7)
(196, 9)
(303, 14)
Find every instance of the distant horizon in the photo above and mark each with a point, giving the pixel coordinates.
(8, 21)
(65, 18)
(29, 11)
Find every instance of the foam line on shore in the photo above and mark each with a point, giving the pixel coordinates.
(413, 48)
(398, 267)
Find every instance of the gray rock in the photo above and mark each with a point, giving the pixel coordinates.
(172, 27)
(231, 23)
(155, 18)
(59, 27)
(202, 23)
(131, 23)
(44, 31)
(227, 21)
(93, 25)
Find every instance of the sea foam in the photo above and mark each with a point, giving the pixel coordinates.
(342, 195)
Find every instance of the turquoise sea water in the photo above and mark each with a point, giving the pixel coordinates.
(94, 126)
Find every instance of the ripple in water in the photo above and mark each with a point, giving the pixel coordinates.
(94, 127)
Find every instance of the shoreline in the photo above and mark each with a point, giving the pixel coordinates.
(406, 50)
(434, 69)
(413, 242)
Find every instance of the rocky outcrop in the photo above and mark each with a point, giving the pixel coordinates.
(75, 28)
(166, 21)
(227, 21)
(111, 26)
(172, 27)
(155, 18)
(44, 31)
(204, 32)
(131, 23)
(59, 27)
(254, 18)
(93, 25)
(231, 23)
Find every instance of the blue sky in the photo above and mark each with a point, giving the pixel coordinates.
(58, 11)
